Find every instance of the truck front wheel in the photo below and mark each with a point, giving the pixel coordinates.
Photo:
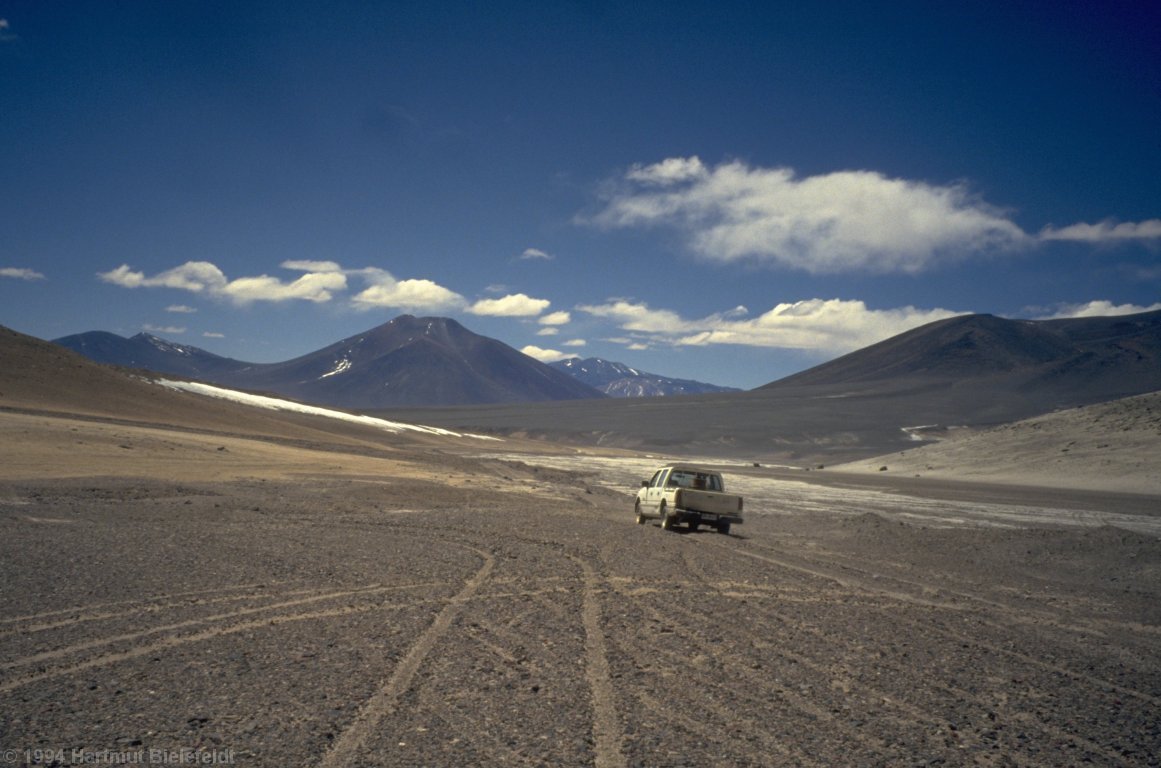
(637, 512)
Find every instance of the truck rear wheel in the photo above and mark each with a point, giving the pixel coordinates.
(666, 520)
(724, 528)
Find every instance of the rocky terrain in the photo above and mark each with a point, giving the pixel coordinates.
(184, 579)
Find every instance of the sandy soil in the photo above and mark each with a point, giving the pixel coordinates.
(268, 604)
(1114, 446)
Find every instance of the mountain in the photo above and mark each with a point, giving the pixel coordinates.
(409, 361)
(975, 370)
(1079, 360)
(149, 352)
(45, 379)
(619, 380)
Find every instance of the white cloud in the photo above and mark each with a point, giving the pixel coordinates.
(1105, 232)
(576, 343)
(1099, 308)
(306, 265)
(180, 309)
(545, 355)
(536, 253)
(513, 305)
(845, 221)
(213, 335)
(202, 277)
(409, 295)
(172, 329)
(20, 273)
(555, 318)
(549, 331)
(825, 325)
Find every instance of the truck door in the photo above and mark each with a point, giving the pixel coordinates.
(656, 491)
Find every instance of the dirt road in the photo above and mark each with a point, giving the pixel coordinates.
(345, 620)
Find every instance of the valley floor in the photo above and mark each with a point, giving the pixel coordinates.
(315, 607)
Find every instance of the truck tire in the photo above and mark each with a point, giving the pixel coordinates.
(693, 524)
(637, 512)
(666, 520)
(724, 528)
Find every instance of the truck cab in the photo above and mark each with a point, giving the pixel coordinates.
(690, 495)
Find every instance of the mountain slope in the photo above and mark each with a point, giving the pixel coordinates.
(619, 380)
(976, 370)
(1108, 356)
(414, 361)
(408, 361)
(149, 352)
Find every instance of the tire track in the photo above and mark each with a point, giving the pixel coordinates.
(84, 612)
(916, 712)
(345, 749)
(1007, 616)
(607, 733)
(131, 636)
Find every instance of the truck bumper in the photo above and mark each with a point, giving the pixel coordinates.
(708, 518)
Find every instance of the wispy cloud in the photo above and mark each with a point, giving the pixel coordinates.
(1098, 308)
(6, 33)
(536, 253)
(180, 309)
(845, 221)
(202, 277)
(825, 325)
(213, 335)
(1107, 231)
(20, 273)
(175, 330)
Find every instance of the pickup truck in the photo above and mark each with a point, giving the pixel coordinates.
(690, 495)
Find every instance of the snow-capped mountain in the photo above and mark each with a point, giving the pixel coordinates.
(620, 380)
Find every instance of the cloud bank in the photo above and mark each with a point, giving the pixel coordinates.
(829, 325)
(845, 221)
(323, 281)
(1099, 308)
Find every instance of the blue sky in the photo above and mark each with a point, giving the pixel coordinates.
(728, 192)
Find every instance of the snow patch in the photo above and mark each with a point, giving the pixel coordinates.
(340, 366)
(275, 404)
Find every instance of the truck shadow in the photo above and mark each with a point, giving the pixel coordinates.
(684, 530)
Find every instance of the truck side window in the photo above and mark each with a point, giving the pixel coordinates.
(657, 478)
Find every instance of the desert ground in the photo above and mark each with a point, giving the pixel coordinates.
(240, 596)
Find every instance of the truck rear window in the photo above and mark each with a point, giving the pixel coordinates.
(698, 480)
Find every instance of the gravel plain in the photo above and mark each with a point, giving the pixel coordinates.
(194, 599)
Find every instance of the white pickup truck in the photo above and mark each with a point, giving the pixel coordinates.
(690, 495)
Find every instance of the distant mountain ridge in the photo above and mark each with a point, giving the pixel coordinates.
(973, 370)
(620, 380)
(1112, 356)
(409, 361)
(150, 352)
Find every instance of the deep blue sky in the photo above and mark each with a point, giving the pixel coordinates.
(722, 191)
